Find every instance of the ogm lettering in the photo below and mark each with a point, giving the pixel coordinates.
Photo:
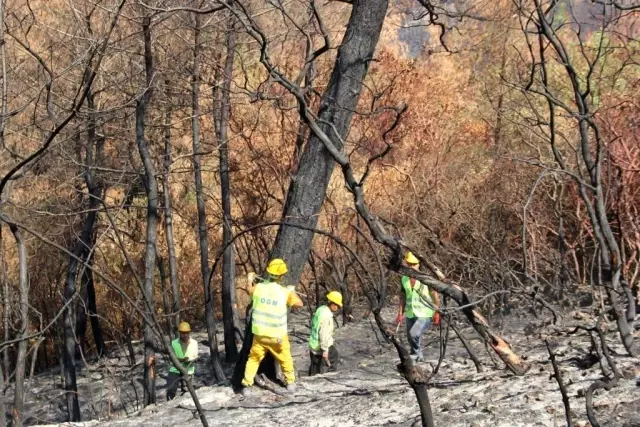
(268, 301)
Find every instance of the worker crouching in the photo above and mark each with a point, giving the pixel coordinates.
(270, 301)
(323, 352)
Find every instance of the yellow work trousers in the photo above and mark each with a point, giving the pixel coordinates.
(281, 350)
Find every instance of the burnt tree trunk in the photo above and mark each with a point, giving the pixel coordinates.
(202, 218)
(73, 330)
(174, 319)
(171, 330)
(409, 370)
(229, 311)
(21, 358)
(95, 145)
(5, 307)
(309, 185)
(98, 337)
(3, 122)
(151, 187)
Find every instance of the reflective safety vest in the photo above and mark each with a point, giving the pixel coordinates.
(323, 313)
(177, 349)
(269, 314)
(416, 299)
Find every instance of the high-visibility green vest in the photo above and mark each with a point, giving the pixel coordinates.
(416, 299)
(322, 313)
(269, 315)
(177, 349)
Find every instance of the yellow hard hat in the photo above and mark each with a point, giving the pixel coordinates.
(277, 267)
(411, 258)
(335, 297)
(184, 327)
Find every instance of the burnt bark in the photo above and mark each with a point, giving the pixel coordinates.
(5, 306)
(174, 319)
(151, 187)
(308, 186)
(202, 218)
(87, 305)
(563, 388)
(98, 337)
(171, 330)
(410, 371)
(229, 310)
(467, 346)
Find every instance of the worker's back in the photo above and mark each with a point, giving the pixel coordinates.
(269, 314)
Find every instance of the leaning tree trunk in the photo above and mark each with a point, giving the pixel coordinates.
(309, 185)
(229, 311)
(151, 187)
(202, 218)
(174, 319)
(21, 358)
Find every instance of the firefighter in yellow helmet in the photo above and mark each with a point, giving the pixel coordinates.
(270, 301)
(186, 351)
(417, 303)
(323, 352)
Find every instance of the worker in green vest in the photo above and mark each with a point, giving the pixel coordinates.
(323, 353)
(269, 303)
(186, 350)
(417, 305)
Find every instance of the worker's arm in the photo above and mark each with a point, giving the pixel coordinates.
(436, 304)
(251, 277)
(191, 355)
(293, 300)
(436, 298)
(325, 335)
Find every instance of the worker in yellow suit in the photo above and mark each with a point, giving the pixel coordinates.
(270, 301)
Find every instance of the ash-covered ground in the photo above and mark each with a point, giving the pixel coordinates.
(368, 390)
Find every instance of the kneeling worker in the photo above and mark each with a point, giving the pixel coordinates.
(269, 302)
(324, 355)
(186, 351)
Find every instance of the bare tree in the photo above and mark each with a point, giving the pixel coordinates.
(202, 216)
(587, 173)
(21, 357)
(174, 319)
(151, 188)
(229, 312)
(308, 187)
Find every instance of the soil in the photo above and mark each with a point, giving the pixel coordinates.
(367, 389)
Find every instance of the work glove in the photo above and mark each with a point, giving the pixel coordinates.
(399, 318)
(436, 319)
(251, 277)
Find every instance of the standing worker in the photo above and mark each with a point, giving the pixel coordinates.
(186, 351)
(324, 355)
(270, 301)
(417, 303)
